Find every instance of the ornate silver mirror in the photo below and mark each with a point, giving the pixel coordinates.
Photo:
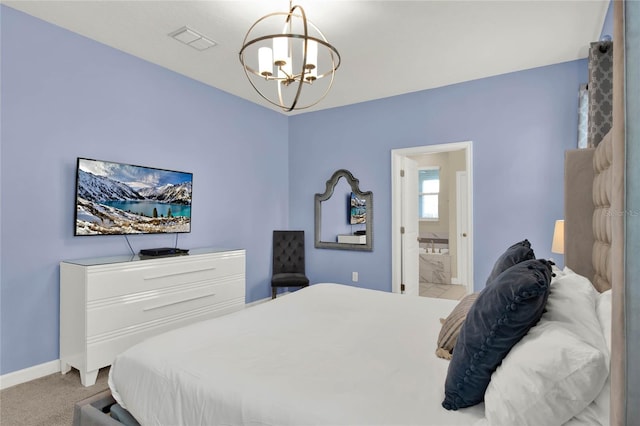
(344, 215)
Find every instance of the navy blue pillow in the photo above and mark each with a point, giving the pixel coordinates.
(519, 252)
(502, 314)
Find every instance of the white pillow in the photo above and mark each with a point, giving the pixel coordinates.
(603, 310)
(599, 411)
(572, 301)
(559, 367)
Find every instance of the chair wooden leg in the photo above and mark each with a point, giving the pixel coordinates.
(273, 292)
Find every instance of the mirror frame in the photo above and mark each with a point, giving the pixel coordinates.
(355, 187)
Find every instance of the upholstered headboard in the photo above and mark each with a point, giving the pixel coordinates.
(589, 191)
(603, 195)
(578, 215)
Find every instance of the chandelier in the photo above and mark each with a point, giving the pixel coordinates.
(283, 53)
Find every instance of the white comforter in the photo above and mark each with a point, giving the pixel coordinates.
(329, 354)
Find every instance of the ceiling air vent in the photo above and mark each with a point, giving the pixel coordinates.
(192, 38)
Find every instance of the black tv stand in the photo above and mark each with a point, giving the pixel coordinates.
(163, 251)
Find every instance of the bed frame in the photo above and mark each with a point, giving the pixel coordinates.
(94, 411)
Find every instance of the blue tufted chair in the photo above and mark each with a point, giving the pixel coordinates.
(288, 260)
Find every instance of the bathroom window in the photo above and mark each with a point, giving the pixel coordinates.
(429, 191)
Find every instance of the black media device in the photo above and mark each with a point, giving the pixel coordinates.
(163, 251)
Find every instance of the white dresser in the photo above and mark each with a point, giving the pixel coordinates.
(110, 304)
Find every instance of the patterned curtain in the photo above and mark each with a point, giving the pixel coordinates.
(600, 91)
(583, 116)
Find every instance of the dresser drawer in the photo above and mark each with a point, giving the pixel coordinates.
(151, 275)
(147, 310)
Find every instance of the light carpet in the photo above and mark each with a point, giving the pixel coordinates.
(47, 401)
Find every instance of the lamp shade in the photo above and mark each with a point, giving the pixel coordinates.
(558, 238)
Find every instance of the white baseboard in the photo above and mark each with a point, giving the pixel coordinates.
(28, 374)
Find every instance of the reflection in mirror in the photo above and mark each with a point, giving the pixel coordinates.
(335, 218)
(344, 214)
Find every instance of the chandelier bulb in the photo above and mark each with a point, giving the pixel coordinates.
(280, 51)
(265, 61)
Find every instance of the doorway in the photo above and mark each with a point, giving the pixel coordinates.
(412, 241)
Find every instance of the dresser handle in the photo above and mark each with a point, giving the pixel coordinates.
(173, 274)
(178, 301)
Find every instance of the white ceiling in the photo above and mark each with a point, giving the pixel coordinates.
(387, 47)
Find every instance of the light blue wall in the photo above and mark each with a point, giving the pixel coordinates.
(65, 96)
(520, 125)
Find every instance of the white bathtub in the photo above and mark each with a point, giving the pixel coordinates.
(435, 268)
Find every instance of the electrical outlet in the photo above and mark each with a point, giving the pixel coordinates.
(354, 277)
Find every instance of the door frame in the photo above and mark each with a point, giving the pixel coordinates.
(396, 207)
(462, 262)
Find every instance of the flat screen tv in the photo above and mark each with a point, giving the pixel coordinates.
(120, 199)
(357, 210)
